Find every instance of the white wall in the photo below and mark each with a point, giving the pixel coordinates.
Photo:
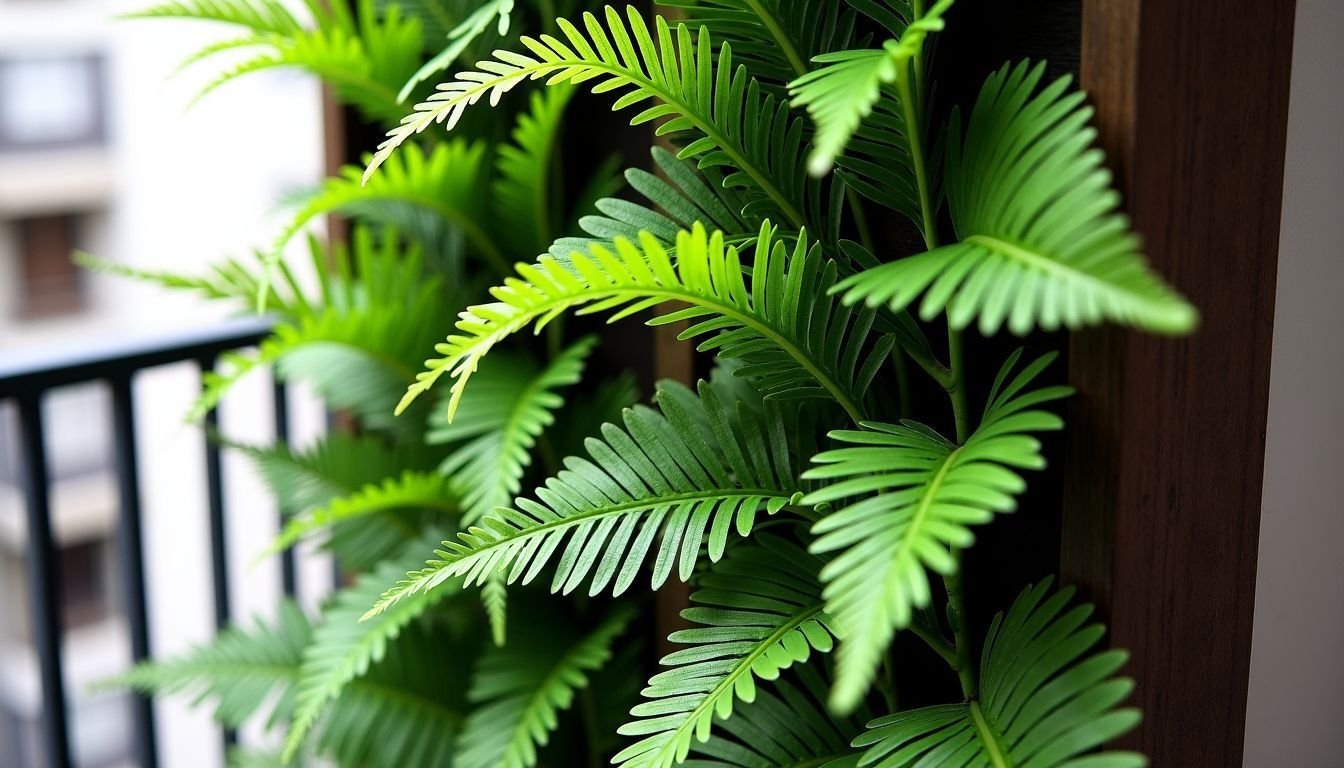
(1295, 713)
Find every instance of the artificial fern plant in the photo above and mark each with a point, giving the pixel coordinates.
(806, 490)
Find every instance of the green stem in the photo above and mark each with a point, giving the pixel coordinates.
(935, 640)
(956, 386)
(956, 614)
(915, 135)
(786, 45)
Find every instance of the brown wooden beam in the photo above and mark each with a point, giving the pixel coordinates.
(1162, 501)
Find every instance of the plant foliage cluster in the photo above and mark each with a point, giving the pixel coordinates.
(816, 501)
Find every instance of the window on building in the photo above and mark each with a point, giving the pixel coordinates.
(48, 101)
(51, 282)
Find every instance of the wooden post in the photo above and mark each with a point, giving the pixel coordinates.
(1162, 500)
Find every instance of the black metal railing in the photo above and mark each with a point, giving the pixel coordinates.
(26, 380)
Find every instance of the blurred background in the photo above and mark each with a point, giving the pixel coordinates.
(99, 152)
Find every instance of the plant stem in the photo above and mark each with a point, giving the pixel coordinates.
(935, 640)
(956, 387)
(956, 614)
(914, 133)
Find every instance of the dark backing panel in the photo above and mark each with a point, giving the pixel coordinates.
(1163, 498)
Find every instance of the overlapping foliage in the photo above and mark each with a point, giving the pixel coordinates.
(806, 491)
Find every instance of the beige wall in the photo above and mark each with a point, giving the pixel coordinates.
(1295, 715)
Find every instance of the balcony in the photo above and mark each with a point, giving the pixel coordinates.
(88, 611)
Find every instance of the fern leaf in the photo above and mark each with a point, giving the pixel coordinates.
(692, 473)
(336, 467)
(909, 498)
(738, 126)
(794, 341)
(521, 689)
(500, 425)
(774, 38)
(760, 612)
(460, 37)
(1041, 243)
(445, 183)
(787, 726)
(676, 198)
(259, 16)
(1045, 700)
(241, 670)
(229, 280)
(495, 601)
(409, 490)
(406, 710)
(840, 95)
(523, 187)
(343, 648)
(357, 343)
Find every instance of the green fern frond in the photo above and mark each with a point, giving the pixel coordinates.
(774, 38)
(259, 16)
(365, 56)
(358, 342)
(840, 95)
(910, 497)
(787, 726)
(445, 184)
(336, 467)
(228, 280)
(343, 648)
(1042, 244)
(893, 15)
(1044, 700)
(409, 490)
(495, 601)
(737, 125)
(490, 12)
(691, 473)
(521, 689)
(675, 199)
(241, 671)
(500, 423)
(407, 710)
(760, 612)
(524, 189)
(795, 342)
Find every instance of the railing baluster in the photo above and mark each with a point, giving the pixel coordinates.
(131, 543)
(280, 400)
(214, 492)
(44, 586)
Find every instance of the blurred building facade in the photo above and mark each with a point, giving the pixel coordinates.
(98, 153)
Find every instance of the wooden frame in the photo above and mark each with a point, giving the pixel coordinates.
(1162, 501)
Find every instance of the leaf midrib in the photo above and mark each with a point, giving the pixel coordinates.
(996, 750)
(608, 510)
(926, 501)
(707, 126)
(729, 680)
(528, 314)
(1039, 260)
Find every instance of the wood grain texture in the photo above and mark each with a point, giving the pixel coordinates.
(1162, 501)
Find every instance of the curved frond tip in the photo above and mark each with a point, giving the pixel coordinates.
(1042, 243)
